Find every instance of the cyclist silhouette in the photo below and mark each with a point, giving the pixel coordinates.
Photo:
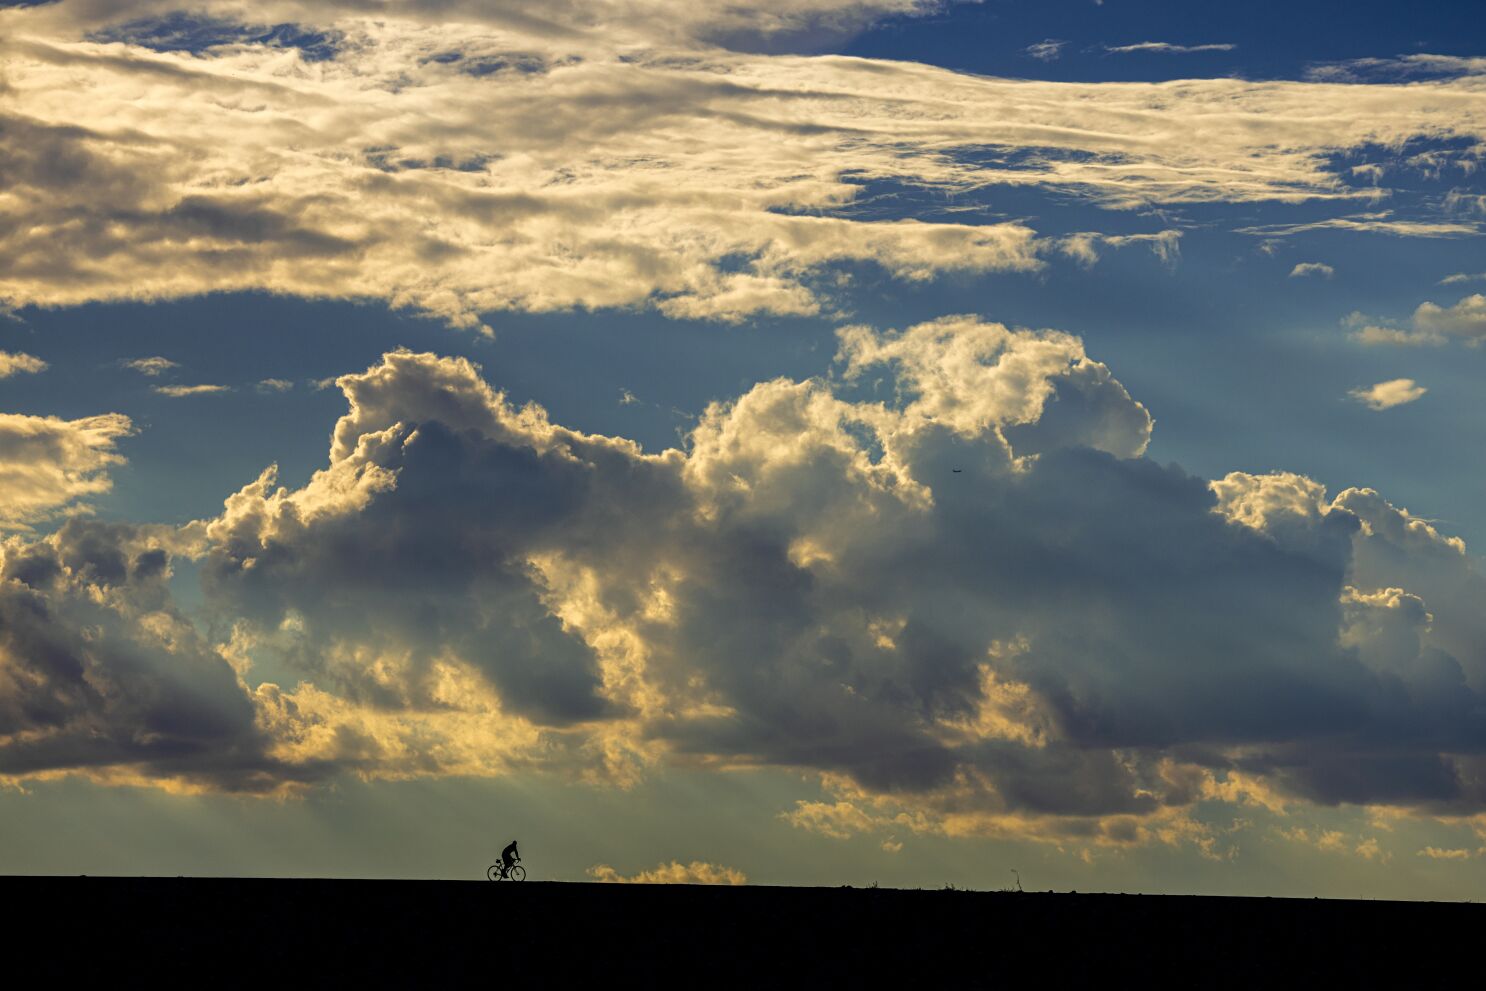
(508, 857)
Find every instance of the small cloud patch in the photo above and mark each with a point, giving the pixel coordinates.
(151, 366)
(1312, 268)
(19, 363)
(1386, 395)
(1046, 51)
(696, 872)
(177, 391)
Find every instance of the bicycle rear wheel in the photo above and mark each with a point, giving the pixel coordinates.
(518, 873)
(494, 872)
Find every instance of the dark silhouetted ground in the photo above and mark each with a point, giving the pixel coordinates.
(205, 932)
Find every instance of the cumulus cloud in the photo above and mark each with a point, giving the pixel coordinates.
(468, 159)
(1312, 268)
(101, 675)
(696, 872)
(1167, 48)
(49, 465)
(1465, 320)
(1386, 395)
(20, 363)
(1429, 325)
(1438, 853)
(944, 578)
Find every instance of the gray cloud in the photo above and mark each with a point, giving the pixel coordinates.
(100, 674)
(975, 607)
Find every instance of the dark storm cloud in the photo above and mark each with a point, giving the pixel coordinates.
(99, 673)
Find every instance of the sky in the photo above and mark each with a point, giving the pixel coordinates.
(796, 441)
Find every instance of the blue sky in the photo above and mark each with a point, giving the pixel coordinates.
(776, 636)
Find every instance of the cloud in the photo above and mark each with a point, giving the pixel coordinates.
(101, 675)
(275, 385)
(696, 872)
(1436, 853)
(1167, 48)
(1376, 223)
(1084, 246)
(1312, 268)
(1430, 325)
(1402, 67)
(641, 155)
(1460, 277)
(1465, 320)
(177, 391)
(49, 466)
(153, 366)
(1049, 50)
(945, 579)
(20, 363)
(1386, 395)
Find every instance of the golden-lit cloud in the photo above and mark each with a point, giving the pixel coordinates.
(696, 872)
(49, 465)
(928, 579)
(464, 160)
(1430, 325)
(1386, 395)
(20, 363)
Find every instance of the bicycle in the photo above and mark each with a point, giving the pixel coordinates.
(516, 873)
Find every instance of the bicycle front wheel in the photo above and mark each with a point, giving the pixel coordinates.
(494, 872)
(518, 873)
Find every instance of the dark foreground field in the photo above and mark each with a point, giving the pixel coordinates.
(204, 932)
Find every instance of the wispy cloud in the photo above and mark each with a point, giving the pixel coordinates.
(1383, 222)
(153, 366)
(177, 391)
(1386, 395)
(1046, 51)
(20, 363)
(1167, 48)
(275, 385)
(1401, 67)
(1462, 277)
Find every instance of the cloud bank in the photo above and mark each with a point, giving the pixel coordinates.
(945, 579)
(464, 159)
